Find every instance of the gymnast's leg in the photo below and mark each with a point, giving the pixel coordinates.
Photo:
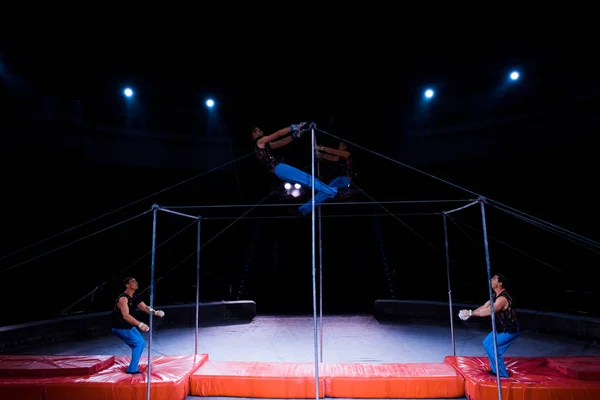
(339, 182)
(136, 342)
(290, 174)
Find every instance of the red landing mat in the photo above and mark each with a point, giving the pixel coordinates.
(414, 381)
(583, 368)
(297, 380)
(51, 366)
(531, 379)
(253, 379)
(170, 381)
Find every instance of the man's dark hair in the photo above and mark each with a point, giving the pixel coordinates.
(126, 280)
(502, 279)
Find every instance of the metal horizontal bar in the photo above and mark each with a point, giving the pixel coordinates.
(323, 204)
(325, 216)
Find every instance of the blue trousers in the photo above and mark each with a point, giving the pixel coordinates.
(339, 182)
(503, 340)
(132, 338)
(294, 175)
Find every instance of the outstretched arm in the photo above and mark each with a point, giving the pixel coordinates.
(272, 137)
(142, 306)
(326, 156)
(335, 152)
(485, 310)
(281, 142)
(280, 133)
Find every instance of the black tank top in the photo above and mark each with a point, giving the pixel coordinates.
(266, 156)
(506, 320)
(345, 166)
(117, 318)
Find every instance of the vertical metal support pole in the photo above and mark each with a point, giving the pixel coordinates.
(320, 276)
(314, 272)
(151, 324)
(197, 285)
(449, 287)
(489, 273)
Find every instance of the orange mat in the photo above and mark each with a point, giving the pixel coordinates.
(25, 377)
(26, 388)
(253, 379)
(531, 379)
(169, 377)
(583, 368)
(48, 366)
(415, 381)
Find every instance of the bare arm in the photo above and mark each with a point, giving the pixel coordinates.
(142, 306)
(327, 156)
(485, 310)
(340, 153)
(125, 312)
(281, 142)
(270, 138)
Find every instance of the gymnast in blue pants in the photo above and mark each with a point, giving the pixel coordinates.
(342, 170)
(264, 145)
(125, 326)
(507, 324)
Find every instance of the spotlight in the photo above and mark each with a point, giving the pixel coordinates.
(128, 92)
(287, 186)
(429, 93)
(210, 103)
(514, 75)
(295, 193)
(297, 185)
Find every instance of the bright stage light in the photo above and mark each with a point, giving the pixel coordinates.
(295, 193)
(429, 93)
(297, 185)
(210, 103)
(287, 186)
(128, 92)
(514, 75)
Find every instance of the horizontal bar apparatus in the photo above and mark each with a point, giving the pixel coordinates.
(323, 204)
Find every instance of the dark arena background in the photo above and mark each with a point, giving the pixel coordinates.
(117, 163)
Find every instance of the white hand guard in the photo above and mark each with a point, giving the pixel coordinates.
(465, 314)
(159, 313)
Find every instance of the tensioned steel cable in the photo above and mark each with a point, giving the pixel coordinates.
(490, 201)
(123, 207)
(73, 242)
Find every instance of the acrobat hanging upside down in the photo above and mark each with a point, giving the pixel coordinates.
(264, 145)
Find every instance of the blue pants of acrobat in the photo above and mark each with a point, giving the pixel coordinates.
(294, 175)
(132, 338)
(337, 183)
(503, 340)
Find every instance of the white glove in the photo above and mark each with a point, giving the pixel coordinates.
(159, 313)
(465, 314)
(143, 327)
(298, 127)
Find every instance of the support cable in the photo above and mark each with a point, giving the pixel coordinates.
(100, 286)
(488, 200)
(210, 240)
(395, 217)
(123, 207)
(73, 242)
